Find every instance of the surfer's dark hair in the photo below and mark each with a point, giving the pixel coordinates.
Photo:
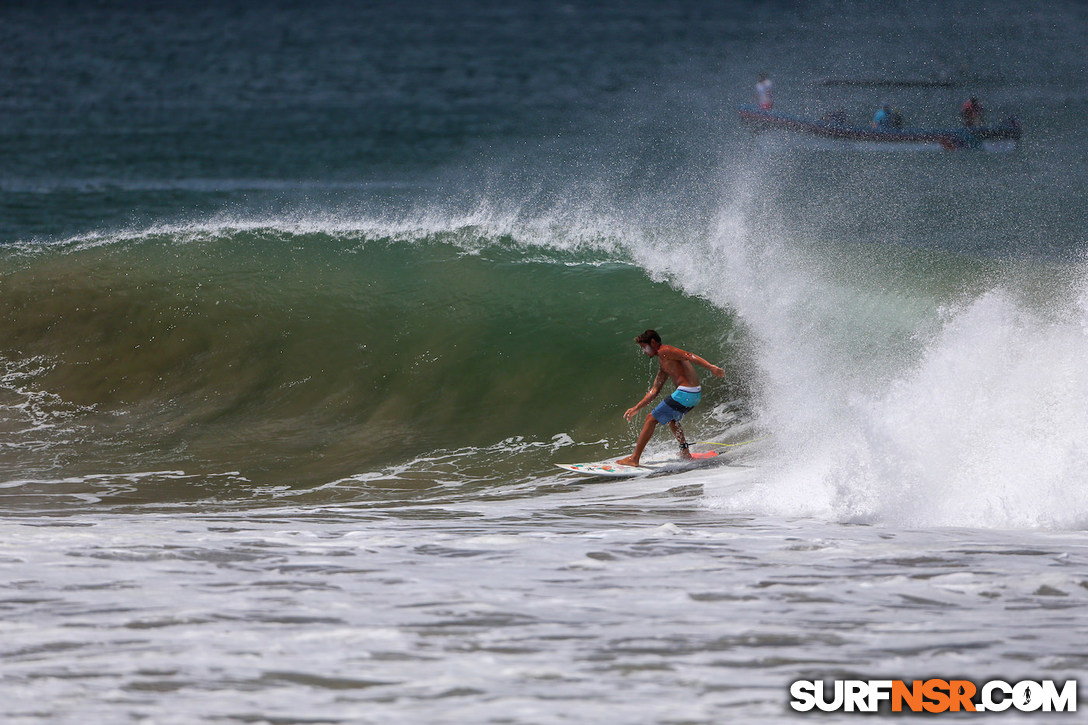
(647, 337)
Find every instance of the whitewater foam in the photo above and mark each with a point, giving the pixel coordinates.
(985, 431)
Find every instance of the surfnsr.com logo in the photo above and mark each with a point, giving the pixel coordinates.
(934, 696)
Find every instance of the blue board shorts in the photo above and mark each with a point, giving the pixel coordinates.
(677, 405)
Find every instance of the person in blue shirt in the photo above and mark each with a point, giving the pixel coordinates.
(883, 118)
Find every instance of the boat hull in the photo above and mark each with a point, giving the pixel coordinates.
(1003, 137)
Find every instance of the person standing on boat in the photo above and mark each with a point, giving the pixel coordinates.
(764, 89)
(971, 113)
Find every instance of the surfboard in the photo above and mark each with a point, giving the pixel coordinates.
(611, 469)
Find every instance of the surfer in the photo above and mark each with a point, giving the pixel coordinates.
(676, 365)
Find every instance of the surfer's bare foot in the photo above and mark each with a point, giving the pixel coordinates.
(686, 455)
(629, 461)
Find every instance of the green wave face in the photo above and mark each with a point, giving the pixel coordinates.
(297, 359)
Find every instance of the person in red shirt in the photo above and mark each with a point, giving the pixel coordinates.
(971, 112)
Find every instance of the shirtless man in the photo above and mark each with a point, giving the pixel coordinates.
(676, 365)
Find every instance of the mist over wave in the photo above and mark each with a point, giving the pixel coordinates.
(955, 399)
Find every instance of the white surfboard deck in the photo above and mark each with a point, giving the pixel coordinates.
(611, 469)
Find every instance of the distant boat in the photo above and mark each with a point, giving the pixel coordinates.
(843, 133)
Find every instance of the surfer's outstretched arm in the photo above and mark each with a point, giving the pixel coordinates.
(714, 369)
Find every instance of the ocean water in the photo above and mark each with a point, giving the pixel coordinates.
(301, 302)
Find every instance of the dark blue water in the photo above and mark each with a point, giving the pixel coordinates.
(127, 113)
